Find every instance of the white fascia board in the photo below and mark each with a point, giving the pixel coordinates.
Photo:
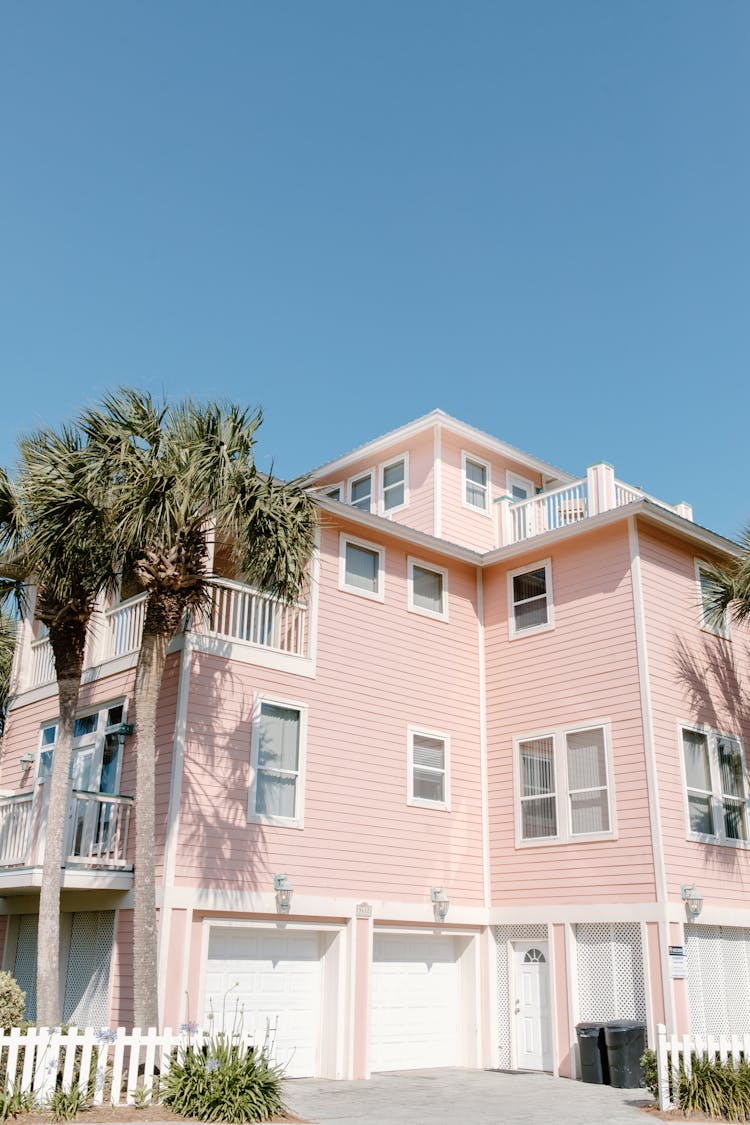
(463, 429)
(654, 513)
(381, 525)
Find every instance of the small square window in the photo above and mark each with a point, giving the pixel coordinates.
(476, 483)
(428, 769)
(394, 485)
(530, 598)
(428, 589)
(334, 493)
(361, 568)
(360, 492)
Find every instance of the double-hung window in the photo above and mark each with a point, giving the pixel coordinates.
(277, 763)
(428, 589)
(360, 492)
(530, 599)
(476, 483)
(563, 786)
(716, 786)
(393, 484)
(361, 568)
(428, 769)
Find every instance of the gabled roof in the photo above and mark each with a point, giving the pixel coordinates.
(439, 417)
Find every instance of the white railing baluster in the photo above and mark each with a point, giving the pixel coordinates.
(124, 624)
(240, 613)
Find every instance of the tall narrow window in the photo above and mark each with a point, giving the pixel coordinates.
(476, 483)
(538, 797)
(698, 778)
(428, 769)
(360, 492)
(428, 589)
(733, 789)
(587, 782)
(530, 599)
(707, 594)
(277, 762)
(394, 485)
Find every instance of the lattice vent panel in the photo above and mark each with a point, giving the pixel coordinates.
(24, 965)
(718, 960)
(87, 982)
(610, 971)
(504, 935)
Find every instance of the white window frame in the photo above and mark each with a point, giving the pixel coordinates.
(420, 802)
(373, 595)
(515, 633)
(373, 495)
(513, 478)
(487, 509)
(565, 834)
(411, 562)
(717, 796)
(381, 476)
(340, 485)
(253, 817)
(95, 740)
(725, 630)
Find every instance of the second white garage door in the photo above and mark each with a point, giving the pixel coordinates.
(271, 977)
(414, 1002)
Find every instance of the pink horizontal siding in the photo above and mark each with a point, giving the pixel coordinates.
(696, 678)
(419, 511)
(582, 671)
(461, 524)
(379, 670)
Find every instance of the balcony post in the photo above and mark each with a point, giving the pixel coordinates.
(505, 520)
(600, 486)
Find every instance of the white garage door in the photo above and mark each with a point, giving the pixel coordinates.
(268, 977)
(414, 1002)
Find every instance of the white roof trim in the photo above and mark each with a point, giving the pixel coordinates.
(463, 429)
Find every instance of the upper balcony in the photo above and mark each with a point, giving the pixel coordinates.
(236, 612)
(570, 503)
(96, 839)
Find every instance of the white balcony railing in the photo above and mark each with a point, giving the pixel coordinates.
(16, 815)
(97, 829)
(42, 663)
(125, 626)
(240, 613)
(557, 508)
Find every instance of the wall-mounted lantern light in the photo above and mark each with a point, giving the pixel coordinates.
(440, 903)
(692, 898)
(283, 892)
(124, 730)
(27, 759)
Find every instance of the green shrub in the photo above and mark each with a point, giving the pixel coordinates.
(650, 1072)
(14, 1102)
(12, 1002)
(223, 1082)
(65, 1105)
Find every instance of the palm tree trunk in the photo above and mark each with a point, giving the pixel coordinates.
(151, 662)
(48, 937)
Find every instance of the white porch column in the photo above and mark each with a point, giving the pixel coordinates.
(505, 521)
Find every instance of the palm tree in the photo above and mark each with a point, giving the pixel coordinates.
(7, 646)
(52, 534)
(729, 591)
(171, 478)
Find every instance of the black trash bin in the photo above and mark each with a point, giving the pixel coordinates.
(626, 1042)
(593, 1053)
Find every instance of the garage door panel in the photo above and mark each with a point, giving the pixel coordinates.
(415, 1002)
(271, 978)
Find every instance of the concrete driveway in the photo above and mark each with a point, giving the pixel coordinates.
(463, 1097)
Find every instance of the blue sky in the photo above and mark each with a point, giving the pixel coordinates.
(532, 214)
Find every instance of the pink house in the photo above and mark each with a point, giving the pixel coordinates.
(469, 792)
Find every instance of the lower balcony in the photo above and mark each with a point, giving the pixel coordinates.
(96, 840)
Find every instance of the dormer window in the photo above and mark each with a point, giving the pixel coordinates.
(476, 483)
(394, 485)
(360, 492)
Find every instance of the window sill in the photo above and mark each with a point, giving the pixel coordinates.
(717, 842)
(517, 634)
(275, 821)
(716, 633)
(437, 806)
(428, 613)
(371, 597)
(557, 841)
(478, 511)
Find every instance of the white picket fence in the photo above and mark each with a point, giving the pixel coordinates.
(120, 1067)
(674, 1055)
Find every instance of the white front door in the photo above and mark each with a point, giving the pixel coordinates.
(532, 1031)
